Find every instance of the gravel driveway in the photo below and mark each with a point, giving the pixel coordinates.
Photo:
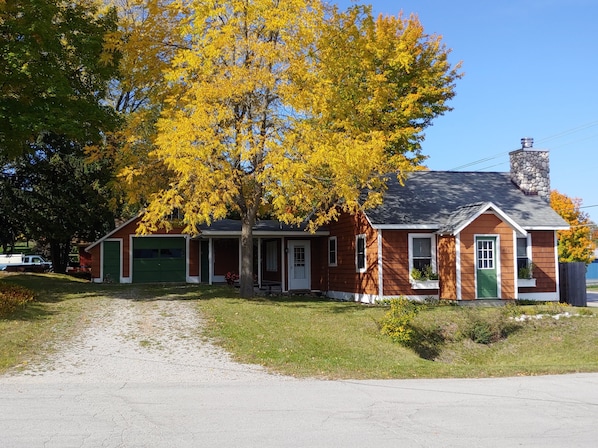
(139, 341)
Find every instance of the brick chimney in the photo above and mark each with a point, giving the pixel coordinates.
(530, 169)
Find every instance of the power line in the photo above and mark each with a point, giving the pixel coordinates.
(570, 131)
(552, 137)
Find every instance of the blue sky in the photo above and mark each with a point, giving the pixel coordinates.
(531, 70)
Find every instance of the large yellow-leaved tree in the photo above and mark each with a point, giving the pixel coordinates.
(286, 109)
(575, 244)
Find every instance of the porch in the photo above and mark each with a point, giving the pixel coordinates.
(282, 256)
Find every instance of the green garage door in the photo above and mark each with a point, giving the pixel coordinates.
(159, 260)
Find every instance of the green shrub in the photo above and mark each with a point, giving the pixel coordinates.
(480, 332)
(13, 297)
(397, 322)
(486, 328)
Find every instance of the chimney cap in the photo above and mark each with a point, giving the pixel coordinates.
(527, 142)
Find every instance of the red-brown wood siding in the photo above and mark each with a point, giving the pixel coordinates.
(487, 224)
(395, 262)
(447, 267)
(319, 263)
(544, 259)
(84, 258)
(226, 256)
(344, 277)
(94, 255)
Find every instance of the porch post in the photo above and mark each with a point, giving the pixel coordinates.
(282, 265)
(241, 258)
(210, 261)
(259, 262)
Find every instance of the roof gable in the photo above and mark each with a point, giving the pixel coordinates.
(465, 215)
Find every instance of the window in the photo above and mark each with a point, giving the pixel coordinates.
(485, 254)
(332, 251)
(176, 215)
(422, 252)
(360, 253)
(523, 259)
(172, 253)
(271, 256)
(146, 253)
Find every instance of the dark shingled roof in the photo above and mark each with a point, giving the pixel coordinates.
(234, 225)
(438, 198)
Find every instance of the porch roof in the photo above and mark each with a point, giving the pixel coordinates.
(430, 199)
(273, 228)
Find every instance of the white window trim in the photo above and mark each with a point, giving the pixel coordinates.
(528, 247)
(432, 237)
(335, 263)
(365, 258)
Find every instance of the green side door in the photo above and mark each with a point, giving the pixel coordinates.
(487, 286)
(111, 262)
(159, 260)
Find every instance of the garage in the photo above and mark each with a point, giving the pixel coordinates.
(159, 259)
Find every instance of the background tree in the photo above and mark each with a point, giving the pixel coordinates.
(281, 108)
(54, 74)
(575, 244)
(11, 224)
(60, 196)
(53, 71)
(145, 41)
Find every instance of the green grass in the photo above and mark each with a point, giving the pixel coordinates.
(316, 337)
(313, 337)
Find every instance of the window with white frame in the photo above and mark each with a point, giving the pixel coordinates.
(271, 256)
(422, 252)
(332, 251)
(524, 256)
(360, 253)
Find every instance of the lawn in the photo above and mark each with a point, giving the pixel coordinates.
(308, 336)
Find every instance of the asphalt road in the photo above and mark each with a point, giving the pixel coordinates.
(592, 298)
(551, 411)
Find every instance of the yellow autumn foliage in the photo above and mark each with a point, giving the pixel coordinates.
(267, 108)
(575, 244)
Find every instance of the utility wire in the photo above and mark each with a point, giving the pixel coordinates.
(545, 139)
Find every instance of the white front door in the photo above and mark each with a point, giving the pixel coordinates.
(299, 265)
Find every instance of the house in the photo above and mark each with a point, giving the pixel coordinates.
(476, 233)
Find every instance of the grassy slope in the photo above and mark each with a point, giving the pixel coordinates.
(309, 337)
(306, 336)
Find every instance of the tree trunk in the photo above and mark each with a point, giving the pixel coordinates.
(59, 251)
(246, 277)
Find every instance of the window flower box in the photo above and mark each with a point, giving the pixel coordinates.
(424, 284)
(424, 279)
(526, 282)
